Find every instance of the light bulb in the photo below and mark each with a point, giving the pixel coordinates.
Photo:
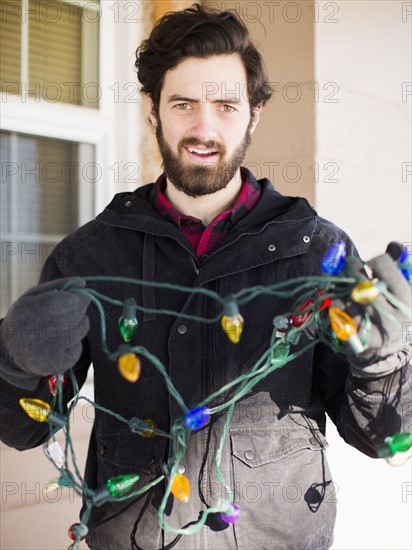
(345, 328)
(232, 321)
(196, 418)
(37, 409)
(181, 488)
(78, 531)
(119, 486)
(398, 443)
(279, 353)
(40, 411)
(405, 262)
(128, 364)
(52, 381)
(232, 515)
(366, 292)
(326, 302)
(334, 259)
(148, 432)
(128, 322)
(300, 318)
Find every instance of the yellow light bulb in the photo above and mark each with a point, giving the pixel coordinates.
(129, 366)
(181, 488)
(37, 409)
(148, 432)
(233, 326)
(367, 292)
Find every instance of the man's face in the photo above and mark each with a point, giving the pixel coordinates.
(204, 123)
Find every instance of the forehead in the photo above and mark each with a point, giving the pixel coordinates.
(215, 77)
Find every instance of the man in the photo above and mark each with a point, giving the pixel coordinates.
(206, 223)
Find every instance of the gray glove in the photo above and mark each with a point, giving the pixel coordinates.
(388, 347)
(42, 332)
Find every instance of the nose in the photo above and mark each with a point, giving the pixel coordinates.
(204, 124)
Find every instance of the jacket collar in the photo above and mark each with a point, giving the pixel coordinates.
(277, 227)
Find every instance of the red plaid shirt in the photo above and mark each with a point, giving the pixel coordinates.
(206, 240)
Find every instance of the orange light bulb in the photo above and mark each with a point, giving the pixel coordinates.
(343, 325)
(345, 328)
(181, 488)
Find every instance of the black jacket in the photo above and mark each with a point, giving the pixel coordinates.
(273, 457)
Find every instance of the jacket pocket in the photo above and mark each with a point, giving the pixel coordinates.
(283, 488)
(127, 451)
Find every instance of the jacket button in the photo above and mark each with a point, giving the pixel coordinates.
(181, 469)
(272, 247)
(128, 203)
(313, 441)
(249, 455)
(306, 239)
(102, 450)
(204, 258)
(182, 329)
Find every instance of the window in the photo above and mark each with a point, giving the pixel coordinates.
(71, 132)
(49, 50)
(47, 190)
(53, 133)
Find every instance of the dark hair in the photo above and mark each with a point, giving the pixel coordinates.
(196, 32)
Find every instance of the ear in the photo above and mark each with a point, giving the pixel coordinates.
(255, 117)
(152, 112)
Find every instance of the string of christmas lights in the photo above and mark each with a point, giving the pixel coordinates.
(332, 325)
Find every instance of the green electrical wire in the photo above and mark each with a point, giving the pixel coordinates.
(306, 288)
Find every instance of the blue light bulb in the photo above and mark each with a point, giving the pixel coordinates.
(334, 259)
(405, 263)
(196, 418)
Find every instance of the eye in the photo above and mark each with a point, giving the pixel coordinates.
(228, 109)
(182, 106)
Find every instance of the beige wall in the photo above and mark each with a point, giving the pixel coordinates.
(367, 133)
(338, 129)
(283, 146)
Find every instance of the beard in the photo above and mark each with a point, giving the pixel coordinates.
(204, 179)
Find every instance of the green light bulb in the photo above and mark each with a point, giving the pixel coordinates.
(398, 443)
(279, 353)
(128, 322)
(120, 485)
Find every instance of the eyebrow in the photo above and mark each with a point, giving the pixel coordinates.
(177, 97)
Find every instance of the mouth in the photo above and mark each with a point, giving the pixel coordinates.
(201, 154)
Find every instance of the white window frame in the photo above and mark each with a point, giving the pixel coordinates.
(114, 129)
(116, 142)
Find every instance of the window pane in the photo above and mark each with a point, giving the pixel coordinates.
(10, 39)
(47, 186)
(55, 39)
(45, 194)
(61, 50)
